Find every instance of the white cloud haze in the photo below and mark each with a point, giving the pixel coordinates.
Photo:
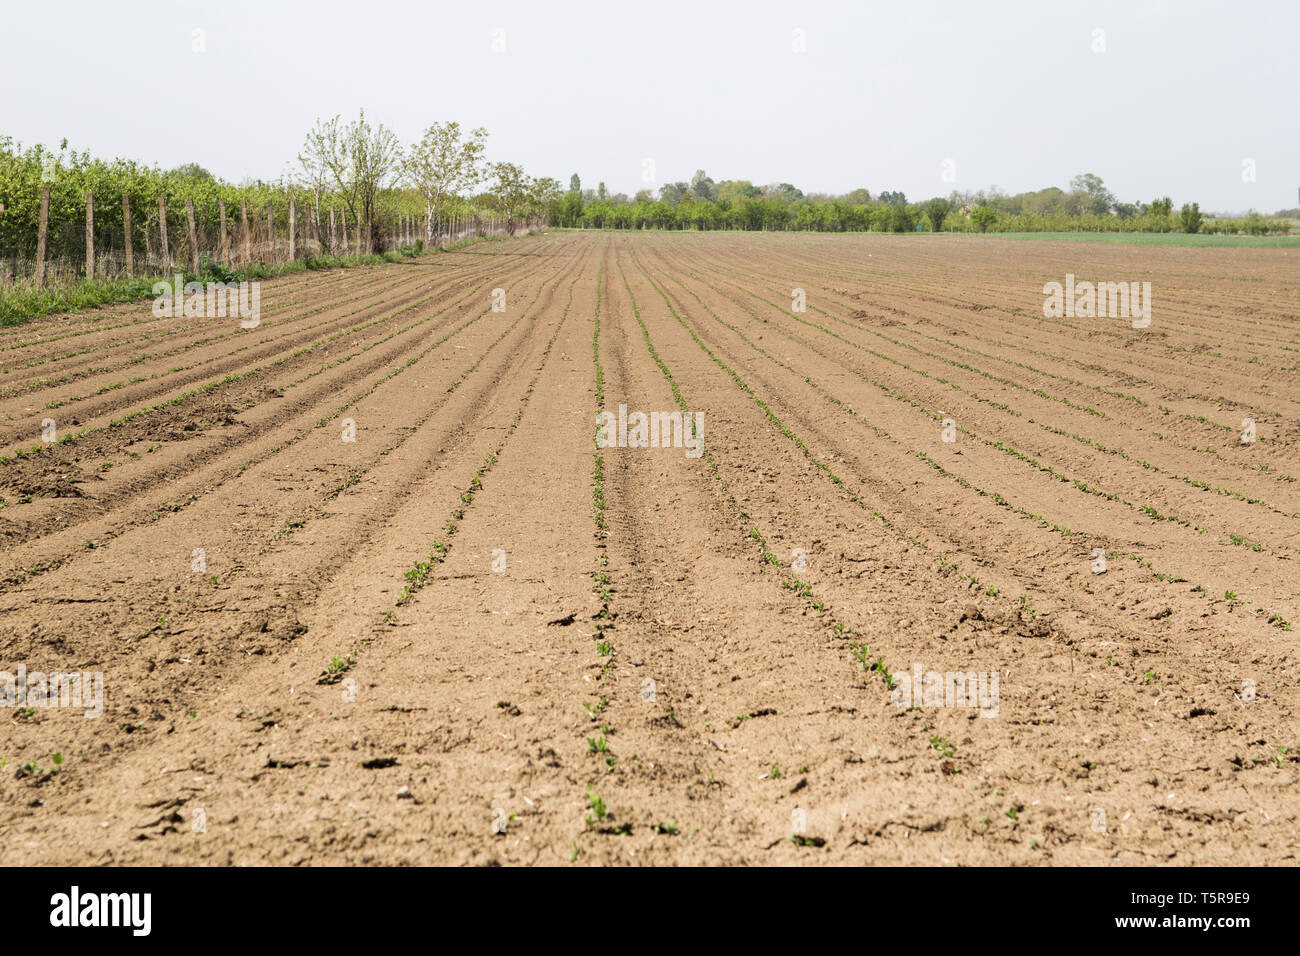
(1012, 92)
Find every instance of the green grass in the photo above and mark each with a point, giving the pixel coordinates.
(20, 301)
(1141, 238)
(1134, 238)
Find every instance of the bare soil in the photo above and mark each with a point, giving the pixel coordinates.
(472, 637)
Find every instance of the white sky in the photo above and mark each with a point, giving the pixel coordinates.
(1012, 92)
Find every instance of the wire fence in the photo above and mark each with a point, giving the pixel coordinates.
(117, 237)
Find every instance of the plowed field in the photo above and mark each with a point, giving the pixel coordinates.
(472, 636)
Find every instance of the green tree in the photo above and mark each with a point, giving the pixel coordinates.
(566, 211)
(702, 187)
(1091, 194)
(937, 211)
(575, 184)
(512, 189)
(983, 217)
(783, 192)
(734, 190)
(545, 195)
(1190, 218)
(443, 164)
(358, 158)
(672, 193)
(900, 218)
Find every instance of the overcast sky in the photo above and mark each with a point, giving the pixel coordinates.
(1014, 94)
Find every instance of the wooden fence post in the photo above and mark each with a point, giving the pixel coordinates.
(293, 229)
(90, 235)
(248, 235)
(126, 227)
(311, 230)
(224, 242)
(162, 224)
(270, 230)
(331, 230)
(42, 236)
(193, 236)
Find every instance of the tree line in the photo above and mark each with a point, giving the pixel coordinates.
(705, 204)
(355, 172)
(359, 173)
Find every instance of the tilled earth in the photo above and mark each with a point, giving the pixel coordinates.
(471, 636)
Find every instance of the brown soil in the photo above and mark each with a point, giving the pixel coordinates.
(471, 637)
